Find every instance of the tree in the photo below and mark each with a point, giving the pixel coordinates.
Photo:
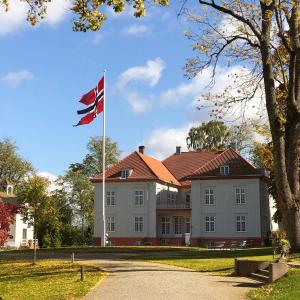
(215, 135)
(39, 210)
(264, 36)
(89, 12)
(77, 191)
(8, 213)
(13, 167)
(92, 163)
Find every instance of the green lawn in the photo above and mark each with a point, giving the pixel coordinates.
(287, 288)
(209, 261)
(20, 280)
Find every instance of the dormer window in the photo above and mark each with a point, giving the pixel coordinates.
(224, 170)
(125, 173)
(9, 190)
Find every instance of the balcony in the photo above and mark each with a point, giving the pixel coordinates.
(172, 205)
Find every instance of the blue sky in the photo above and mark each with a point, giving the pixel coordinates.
(45, 70)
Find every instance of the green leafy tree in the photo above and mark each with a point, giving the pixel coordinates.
(40, 210)
(77, 191)
(216, 135)
(13, 167)
(92, 163)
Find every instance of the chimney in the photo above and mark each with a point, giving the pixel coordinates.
(233, 146)
(178, 149)
(141, 149)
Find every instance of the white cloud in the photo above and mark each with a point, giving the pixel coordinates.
(98, 38)
(150, 73)
(15, 78)
(138, 104)
(171, 138)
(13, 19)
(51, 177)
(136, 30)
(56, 11)
(200, 85)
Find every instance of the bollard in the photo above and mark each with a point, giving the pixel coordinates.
(72, 258)
(81, 273)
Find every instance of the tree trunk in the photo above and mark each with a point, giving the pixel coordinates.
(291, 223)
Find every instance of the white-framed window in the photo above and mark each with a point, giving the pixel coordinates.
(169, 198)
(158, 196)
(240, 223)
(138, 224)
(209, 196)
(187, 225)
(110, 224)
(210, 223)
(165, 225)
(24, 234)
(187, 201)
(240, 195)
(178, 225)
(110, 198)
(125, 173)
(139, 198)
(224, 170)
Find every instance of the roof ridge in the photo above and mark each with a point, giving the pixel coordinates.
(208, 162)
(158, 161)
(244, 159)
(140, 156)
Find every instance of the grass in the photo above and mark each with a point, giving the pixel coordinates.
(46, 280)
(209, 261)
(114, 249)
(287, 288)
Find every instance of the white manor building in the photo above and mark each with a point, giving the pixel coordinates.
(190, 198)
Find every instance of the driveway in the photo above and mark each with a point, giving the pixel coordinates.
(146, 281)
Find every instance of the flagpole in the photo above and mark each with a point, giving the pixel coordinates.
(103, 240)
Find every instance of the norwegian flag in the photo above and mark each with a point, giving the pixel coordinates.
(94, 99)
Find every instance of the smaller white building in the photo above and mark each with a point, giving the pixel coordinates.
(21, 234)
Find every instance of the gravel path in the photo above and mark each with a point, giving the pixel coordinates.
(130, 280)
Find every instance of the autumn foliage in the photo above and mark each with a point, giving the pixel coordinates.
(7, 217)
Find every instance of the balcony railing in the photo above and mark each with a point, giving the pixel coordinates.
(173, 205)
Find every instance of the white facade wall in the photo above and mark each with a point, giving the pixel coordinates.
(125, 209)
(16, 231)
(225, 208)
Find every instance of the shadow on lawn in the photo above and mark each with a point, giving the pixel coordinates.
(29, 273)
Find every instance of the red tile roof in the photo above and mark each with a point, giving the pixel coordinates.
(179, 169)
(238, 166)
(186, 163)
(143, 168)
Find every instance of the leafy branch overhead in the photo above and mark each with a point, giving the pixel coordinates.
(89, 13)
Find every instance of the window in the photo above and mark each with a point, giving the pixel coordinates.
(110, 224)
(110, 198)
(224, 170)
(138, 224)
(210, 223)
(187, 201)
(139, 198)
(240, 195)
(209, 196)
(188, 225)
(24, 234)
(241, 223)
(178, 225)
(125, 173)
(165, 224)
(158, 197)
